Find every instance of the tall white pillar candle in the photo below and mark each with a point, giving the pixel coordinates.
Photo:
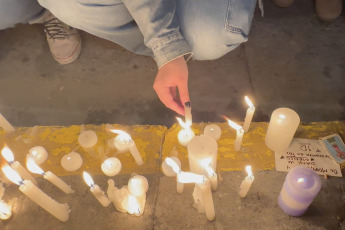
(281, 129)
(246, 183)
(249, 114)
(96, 190)
(6, 125)
(60, 211)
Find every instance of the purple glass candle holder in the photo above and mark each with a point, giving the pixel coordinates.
(300, 188)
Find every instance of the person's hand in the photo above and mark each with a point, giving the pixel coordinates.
(171, 85)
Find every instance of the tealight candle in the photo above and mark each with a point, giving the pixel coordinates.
(246, 183)
(39, 154)
(300, 188)
(60, 211)
(15, 165)
(123, 142)
(281, 129)
(87, 139)
(186, 134)
(49, 176)
(111, 166)
(71, 162)
(6, 125)
(249, 114)
(96, 190)
(213, 131)
(239, 134)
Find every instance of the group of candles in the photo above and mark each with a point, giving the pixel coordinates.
(202, 155)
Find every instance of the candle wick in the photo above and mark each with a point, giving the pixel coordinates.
(21, 182)
(10, 162)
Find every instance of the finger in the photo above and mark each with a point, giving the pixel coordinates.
(167, 99)
(173, 92)
(184, 94)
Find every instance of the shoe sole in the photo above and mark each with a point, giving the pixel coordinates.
(70, 58)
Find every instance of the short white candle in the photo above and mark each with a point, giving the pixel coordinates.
(281, 129)
(123, 142)
(15, 165)
(239, 134)
(88, 139)
(39, 154)
(211, 174)
(96, 190)
(111, 166)
(71, 162)
(49, 176)
(6, 125)
(60, 211)
(137, 187)
(246, 183)
(249, 114)
(171, 166)
(207, 200)
(186, 134)
(5, 210)
(213, 131)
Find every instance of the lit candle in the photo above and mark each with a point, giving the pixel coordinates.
(186, 134)
(171, 166)
(49, 176)
(39, 154)
(71, 162)
(5, 210)
(96, 190)
(87, 139)
(300, 188)
(6, 125)
(239, 135)
(137, 187)
(15, 165)
(206, 200)
(246, 183)
(281, 129)
(123, 142)
(211, 174)
(111, 166)
(60, 211)
(249, 114)
(213, 131)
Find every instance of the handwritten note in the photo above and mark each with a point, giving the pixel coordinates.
(308, 153)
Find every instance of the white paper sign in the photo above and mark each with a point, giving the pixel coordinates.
(308, 153)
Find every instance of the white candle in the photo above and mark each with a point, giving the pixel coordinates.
(137, 187)
(171, 166)
(96, 190)
(239, 134)
(213, 130)
(123, 142)
(87, 139)
(15, 165)
(6, 125)
(111, 166)
(188, 113)
(207, 200)
(49, 176)
(246, 183)
(281, 129)
(5, 210)
(186, 134)
(60, 211)
(39, 154)
(249, 114)
(71, 162)
(211, 174)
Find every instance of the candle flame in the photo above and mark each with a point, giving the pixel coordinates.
(210, 171)
(11, 174)
(7, 154)
(233, 124)
(33, 167)
(173, 165)
(249, 170)
(249, 102)
(205, 162)
(185, 125)
(88, 179)
(300, 180)
(5, 210)
(122, 134)
(133, 205)
(188, 177)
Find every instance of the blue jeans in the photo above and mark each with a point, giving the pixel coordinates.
(211, 28)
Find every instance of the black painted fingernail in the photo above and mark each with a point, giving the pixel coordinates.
(187, 104)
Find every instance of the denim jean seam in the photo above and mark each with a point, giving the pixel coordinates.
(159, 43)
(229, 26)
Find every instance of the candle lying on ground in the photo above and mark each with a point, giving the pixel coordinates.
(249, 114)
(281, 129)
(171, 166)
(239, 134)
(87, 139)
(71, 162)
(60, 211)
(246, 183)
(6, 125)
(96, 190)
(49, 176)
(111, 166)
(39, 154)
(300, 188)
(213, 131)
(186, 134)
(15, 165)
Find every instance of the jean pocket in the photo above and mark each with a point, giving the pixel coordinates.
(239, 16)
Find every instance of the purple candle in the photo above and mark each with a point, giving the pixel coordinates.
(300, 188)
